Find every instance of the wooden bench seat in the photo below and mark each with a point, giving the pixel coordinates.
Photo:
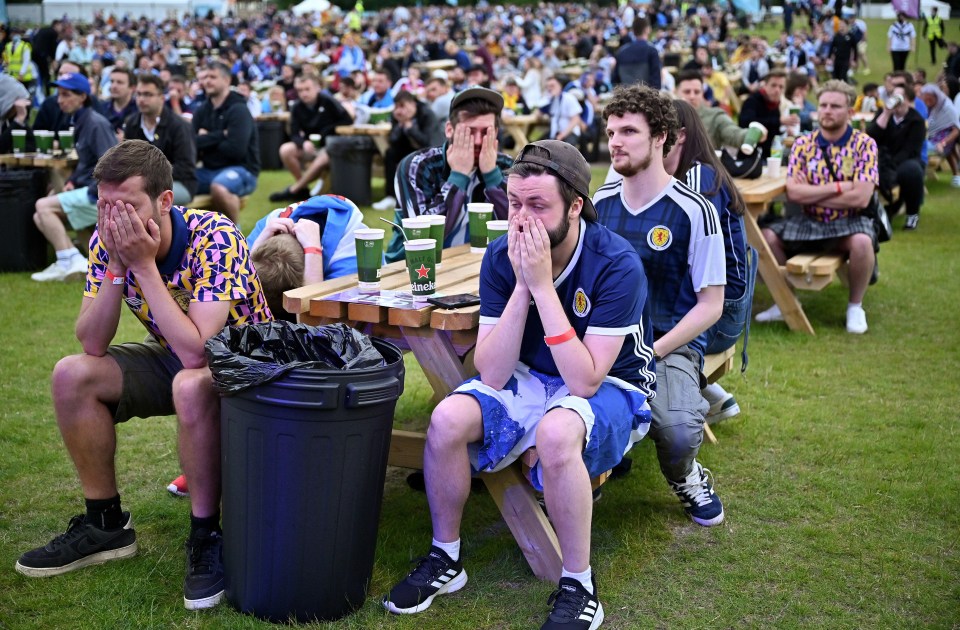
(813, 272)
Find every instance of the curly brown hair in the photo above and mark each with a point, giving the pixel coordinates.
(655, 106)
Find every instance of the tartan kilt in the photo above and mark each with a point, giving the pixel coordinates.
(802, 229)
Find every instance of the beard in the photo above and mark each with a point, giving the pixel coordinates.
(632, 167)
(558, 235)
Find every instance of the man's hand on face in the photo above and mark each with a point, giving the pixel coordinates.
(460, 155)
(535, 261)
(136, 243)
(116, 265)
(488, 151)
(514, 236)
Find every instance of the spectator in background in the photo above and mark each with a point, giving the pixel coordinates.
(414, 127)
(18, 58)
(901, 41)
(943, 127)
(933, 30)
(157, 124)
(721, 129)
(638, 61)
(512, 98)
(227, 143)
(351, 57)
(121, 104)
(14, 110)
(44, 50)
(763, 106)
(564, 111)
(178, 97)
(254, 106)
(315, 113)
(378, 96)
(843, 52)
(900, 133)
(453, 51)
(477, 76)
(531, 83)
(93, 135)
(49, 115)
(439, 96)
(753, 70)
(795, 94)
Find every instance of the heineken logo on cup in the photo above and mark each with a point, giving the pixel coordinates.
(422, 266)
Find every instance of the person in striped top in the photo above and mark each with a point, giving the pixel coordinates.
(677, 233)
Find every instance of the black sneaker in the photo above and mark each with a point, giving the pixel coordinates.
(573, 607)
(203, 585)
(81, 545)
(436, 574)
(290, 195)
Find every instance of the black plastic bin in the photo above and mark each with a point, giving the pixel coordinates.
(304, 459)
(26, 248)
(351, 162)
(272, 134)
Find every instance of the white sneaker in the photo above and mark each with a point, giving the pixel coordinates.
(955, 182)
(856, 320)
(77, 269)
(772, 314)
(387, 203)
(317, 187)
(727, 407)
(53, 273)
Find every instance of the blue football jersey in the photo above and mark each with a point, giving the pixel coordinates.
(603, 290)
(703, 179)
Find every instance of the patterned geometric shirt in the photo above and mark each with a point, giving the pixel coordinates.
(854, 158)
(208, 262)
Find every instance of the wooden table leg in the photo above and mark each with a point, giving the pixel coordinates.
(438, 358)
(527, 522)
(772, 275)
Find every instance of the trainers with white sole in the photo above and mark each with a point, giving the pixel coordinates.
(856, 320)
(772, 314)
(699, 500)
(54, 273)
(726, 407)
(178, 487)
(83, 544)
(387, 203)
(77, 269)
(435, 574)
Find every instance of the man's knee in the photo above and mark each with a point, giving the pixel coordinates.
(192, 393)
(80, 376)
(910, 172)
(560, 438)
(220, 191)
(771, 237)
(456, 420)
(289, 149)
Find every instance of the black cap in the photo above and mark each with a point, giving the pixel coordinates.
(482, 93)
(565, 162)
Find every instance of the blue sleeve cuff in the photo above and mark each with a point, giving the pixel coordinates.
(459, 180)
(493, 179)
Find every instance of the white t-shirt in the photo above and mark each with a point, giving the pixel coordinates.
(900, 36)
(562, 110)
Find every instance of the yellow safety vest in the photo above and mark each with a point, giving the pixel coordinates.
(13, 59)
(934, 27)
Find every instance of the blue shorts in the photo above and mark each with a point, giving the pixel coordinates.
(616, 417)
(236, 179)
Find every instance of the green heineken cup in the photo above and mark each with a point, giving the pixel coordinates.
(19, 141)
(44, 141)
(479, 213)
(422, 266)
(438, 224)
(496, 229)
(66, 140)
(416, 228)
(369, 243)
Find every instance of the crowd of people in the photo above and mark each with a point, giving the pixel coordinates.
(621, 294)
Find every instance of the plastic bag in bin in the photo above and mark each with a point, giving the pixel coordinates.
(241, 357)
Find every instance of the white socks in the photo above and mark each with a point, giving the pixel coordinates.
(585, 578)
(452, 549)
(714, 393)
(65, 256)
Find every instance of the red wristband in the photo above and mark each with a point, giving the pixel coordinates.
(114, 279)
(839, 189)
(556, 340)
(313, 250)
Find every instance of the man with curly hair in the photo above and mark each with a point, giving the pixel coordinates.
(677, 233)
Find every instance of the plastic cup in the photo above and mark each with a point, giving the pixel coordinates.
(315, 139)
(44, 141)
(496, 229)
(438, 224)
(66, 140)
(19, 141)
(422, 267)
(773, 167)
(369, 242)
(479, 213)
(754, 133)
(416, 228)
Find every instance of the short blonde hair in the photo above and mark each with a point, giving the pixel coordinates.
(842, 87)
(279, 264)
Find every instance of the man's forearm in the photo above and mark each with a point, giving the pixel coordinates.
(175, 326)
(499, 351)
(99, 318)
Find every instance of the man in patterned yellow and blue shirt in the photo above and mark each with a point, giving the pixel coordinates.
(185, 274)
(832, 198)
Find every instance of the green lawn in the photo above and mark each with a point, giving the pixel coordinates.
(842, 505)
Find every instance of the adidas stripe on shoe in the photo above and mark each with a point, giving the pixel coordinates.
(574, 608)
(435, 574)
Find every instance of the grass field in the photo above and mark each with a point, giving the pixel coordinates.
(842, 504)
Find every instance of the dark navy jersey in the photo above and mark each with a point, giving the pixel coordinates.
(679, 241)
(603, 291)
(702, 178)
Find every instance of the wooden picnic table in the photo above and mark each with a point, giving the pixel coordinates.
(521, 126)
(757, 195)
(378, 132)
(37, 160)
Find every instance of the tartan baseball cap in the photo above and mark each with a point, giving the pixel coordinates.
(73, 81)
(564, 161)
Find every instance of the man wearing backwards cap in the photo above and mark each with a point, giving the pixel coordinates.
(93, 135)
(573, 380)
(466, 168)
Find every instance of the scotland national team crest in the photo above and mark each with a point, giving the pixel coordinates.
(659, 238)
(581, 303)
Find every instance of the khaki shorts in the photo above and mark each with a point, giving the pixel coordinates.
(148, 370)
